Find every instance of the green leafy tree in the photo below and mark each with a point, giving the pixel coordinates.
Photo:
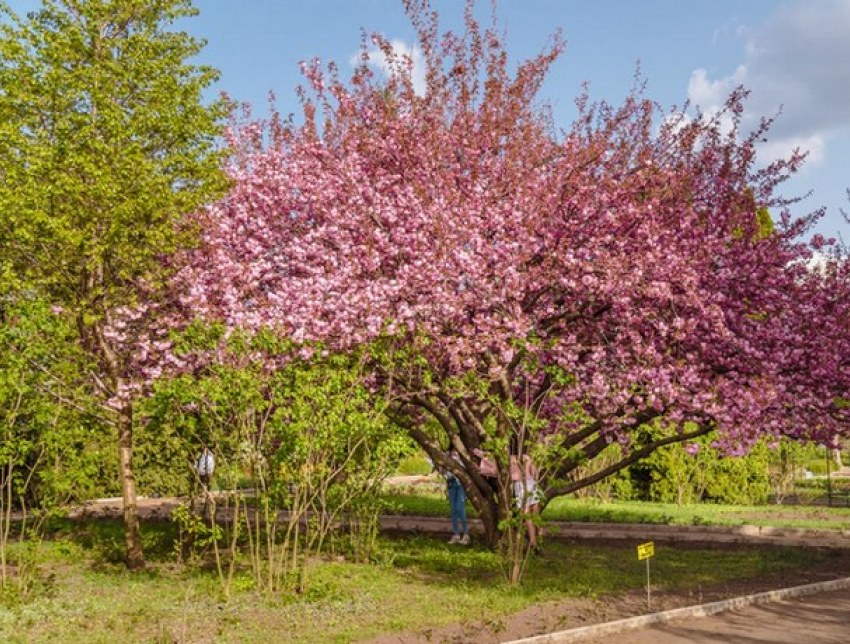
(308, 435)
(50, 453)
(104, 142)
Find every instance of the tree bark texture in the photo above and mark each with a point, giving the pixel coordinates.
(132, 534)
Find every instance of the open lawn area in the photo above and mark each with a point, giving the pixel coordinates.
(417, 586)
(429, 500)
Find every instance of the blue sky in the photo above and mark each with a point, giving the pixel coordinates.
(790, 53)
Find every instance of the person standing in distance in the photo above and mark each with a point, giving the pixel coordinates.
(457, 503)
(205, 468)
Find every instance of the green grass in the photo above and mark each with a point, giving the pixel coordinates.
(820, 517)
(414, 466)
(419, 503)
(433, 503)
(83, 593)
(414, 583)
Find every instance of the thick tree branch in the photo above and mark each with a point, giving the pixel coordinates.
(561, 489)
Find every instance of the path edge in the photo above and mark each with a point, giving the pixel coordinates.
(584, 633)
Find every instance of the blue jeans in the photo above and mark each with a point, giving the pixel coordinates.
(457, 505)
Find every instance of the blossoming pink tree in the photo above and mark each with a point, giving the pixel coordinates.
(522, 286)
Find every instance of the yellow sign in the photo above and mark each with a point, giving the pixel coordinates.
(646, 550)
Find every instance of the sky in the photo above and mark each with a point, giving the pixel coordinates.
(791, 54)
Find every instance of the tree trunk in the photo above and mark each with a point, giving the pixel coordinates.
(489, 509)
(132, 535)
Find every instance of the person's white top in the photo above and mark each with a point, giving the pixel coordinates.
(206, 463)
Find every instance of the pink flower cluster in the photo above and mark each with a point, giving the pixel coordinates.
(625, 255)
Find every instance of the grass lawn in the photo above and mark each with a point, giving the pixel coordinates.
(430, 501)
(413, 583)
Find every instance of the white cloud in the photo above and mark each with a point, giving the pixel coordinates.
(707, 93)
(710, 95)
(402, 50)
(796, 61)
(815, 144)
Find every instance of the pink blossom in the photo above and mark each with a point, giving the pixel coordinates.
(617, 272)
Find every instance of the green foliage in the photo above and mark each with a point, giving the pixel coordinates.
(105, 143)
(415, 465)
(698, 473)
(819, 461)
(817, 466)
(715, 477)
(764, 222)
(308, 435)
(163, 461)
(195, 535)
(50, 453)
(28, 581)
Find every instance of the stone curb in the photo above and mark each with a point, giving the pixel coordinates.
(743, 534)
(704, 610)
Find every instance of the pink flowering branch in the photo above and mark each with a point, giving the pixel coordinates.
(614, 275)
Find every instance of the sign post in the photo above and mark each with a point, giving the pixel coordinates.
(646, 551)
